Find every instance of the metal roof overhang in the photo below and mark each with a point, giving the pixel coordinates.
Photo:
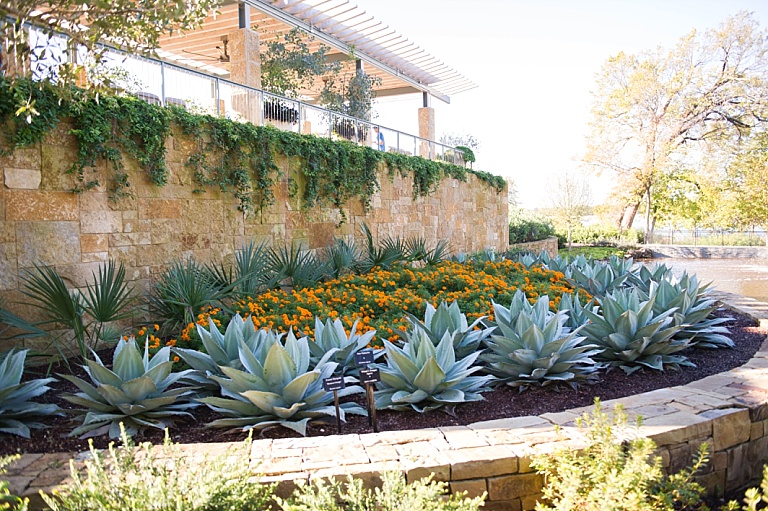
(404, 67)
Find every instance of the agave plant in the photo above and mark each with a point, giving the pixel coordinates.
(277, 388)
(422, 376)
(221, 350)
(331, 337)
(449, 319)
(533, 346)
(643, 276)
(136, 392)
(16, 409)
(631, 335)
(598, 278)
(692, 309)
(571, 305)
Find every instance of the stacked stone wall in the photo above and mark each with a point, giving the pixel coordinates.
(42, 222)
(549, 245)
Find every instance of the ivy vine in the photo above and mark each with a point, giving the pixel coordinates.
(239, 158)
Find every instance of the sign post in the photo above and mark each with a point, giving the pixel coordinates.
(335, 384)
(368, 377)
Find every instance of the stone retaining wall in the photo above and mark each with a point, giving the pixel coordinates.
(42, 222)
(549, 244)
(711, 252)
(729, 411)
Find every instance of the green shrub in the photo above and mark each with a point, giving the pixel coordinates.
(523, 229)
(394, 495)
(7, 500)
(146, 477)
(601, 234)
(616, 470)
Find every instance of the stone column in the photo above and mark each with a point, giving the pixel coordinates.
(245, 68)
(427, 130)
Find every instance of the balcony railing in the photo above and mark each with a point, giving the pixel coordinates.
(165, 83)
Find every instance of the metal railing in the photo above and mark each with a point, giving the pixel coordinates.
(164, 83)
(709, 237)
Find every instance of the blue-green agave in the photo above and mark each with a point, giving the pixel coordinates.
(136, 391)
(631, 335)
(17, 412)
(422, 376)
(450, 320)
(533, 346)
(278, 386)
(331, 336)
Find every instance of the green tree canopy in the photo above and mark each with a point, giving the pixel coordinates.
(657, 108)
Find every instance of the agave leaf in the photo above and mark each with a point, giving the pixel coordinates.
(295, 390)
(430, 376)
(128, 363)
(288, 412)
(266, 401)
(279, 368)
(86, 402)
(102, 375)
(139, 388)
(402, 396)
(113, 395)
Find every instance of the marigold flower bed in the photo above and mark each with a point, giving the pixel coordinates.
(379, 299)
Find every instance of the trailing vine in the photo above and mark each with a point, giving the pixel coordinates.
(238, 158)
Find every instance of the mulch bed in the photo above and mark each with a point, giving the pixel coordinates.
(500, 403)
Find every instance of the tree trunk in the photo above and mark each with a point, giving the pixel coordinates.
(569, 237)
(628, 217)
(648, 238)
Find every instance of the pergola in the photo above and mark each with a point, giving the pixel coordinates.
(402, 66)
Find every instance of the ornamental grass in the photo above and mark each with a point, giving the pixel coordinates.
(380, 298)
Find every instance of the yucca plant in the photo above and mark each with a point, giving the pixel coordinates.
(532, 346)
(631, 335)
(294, 267)
(340, 257)
(331, 337)
(384, 255)
(181, 291)
(87, 315)
(221, 350)
(278, 386)
(449, 319)
(17, 411)
(423, 377)
(693, 310)
(136, 392)
(248, 274)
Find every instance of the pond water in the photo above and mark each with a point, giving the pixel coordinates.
(747, 277)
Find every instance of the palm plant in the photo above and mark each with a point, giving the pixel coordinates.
(423, 377)
(135, 392)
(9, 320)
(16, 410)
(450, 320)
(181, 291)
(277, 388)
(533, 346)
(87, 315)
(631, 335)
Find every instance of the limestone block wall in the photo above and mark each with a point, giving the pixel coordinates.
(41, 221)
(549, 244)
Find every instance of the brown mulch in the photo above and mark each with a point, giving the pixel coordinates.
(500, 403)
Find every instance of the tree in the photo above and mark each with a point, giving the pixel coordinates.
(134, 25)
(569, 197)
(746, 181)
(288, 65)
(653, 109)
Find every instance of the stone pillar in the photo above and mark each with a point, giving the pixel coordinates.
(427, 130)
(245, 68)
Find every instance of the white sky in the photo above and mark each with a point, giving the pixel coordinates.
(534, 62)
